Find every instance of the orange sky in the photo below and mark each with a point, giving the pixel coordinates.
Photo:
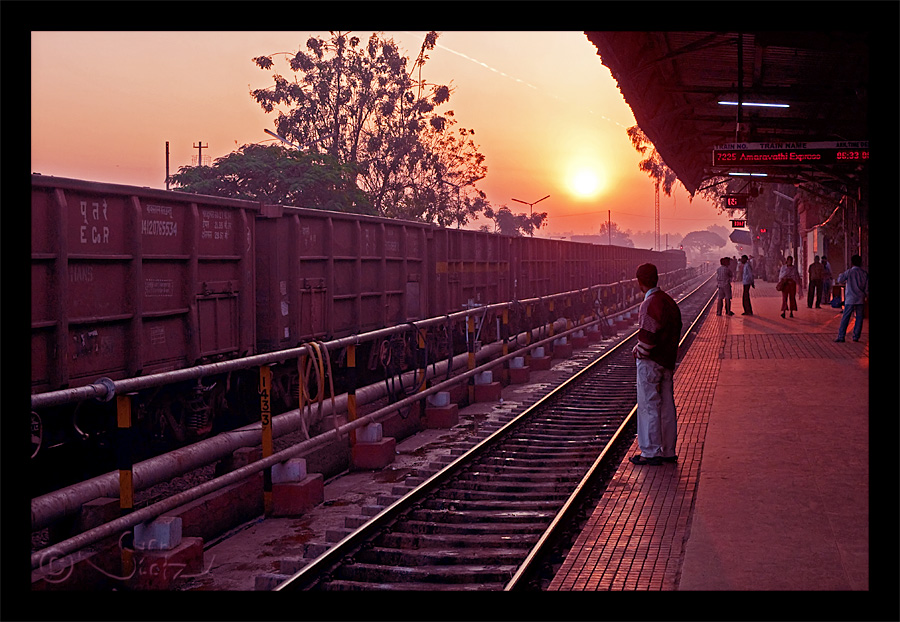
(543, 107)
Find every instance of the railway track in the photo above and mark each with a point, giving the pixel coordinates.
(491, 520)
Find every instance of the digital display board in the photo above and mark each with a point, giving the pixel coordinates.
(791, 154)
(738, 223)
(789, 157)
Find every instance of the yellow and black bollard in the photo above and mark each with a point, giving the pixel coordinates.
(124, 458)
(265, 416)
(125, 464)
(471, 341)
(421, 358)
(530, 327)
(504, 334)
(351, 390)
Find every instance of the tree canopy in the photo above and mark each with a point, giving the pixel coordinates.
(508, 223)
(362, 104)
(652, 164)
(274, 174)
(702, 242)
(611, 233)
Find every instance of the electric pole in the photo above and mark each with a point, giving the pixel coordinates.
(657, 217)
(200, 149)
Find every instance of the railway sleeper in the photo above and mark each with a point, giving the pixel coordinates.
(581, 404)
(582, 429)
(406, 586)
(484, 575)
(528, 472)
(544, 435)
(524, 475)
(583, 425)
(483, 528)
(557, 464)
(588, 410)
(506, 497)
(524, 494)
(537, 450)
(555, 444)
(505, 516)
(416, 540)
(446, 556)
(485, 505)
(517, 487)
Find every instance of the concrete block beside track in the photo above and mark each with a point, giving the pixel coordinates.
(216, 513)
(269, 581)
(403, 423)
(296, 498)
(519, 375)
(161, 534)
(540, 363)
(443, 417)
(562, 348)
(368, 456)
(488, 392)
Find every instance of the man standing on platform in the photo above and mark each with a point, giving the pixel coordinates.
(826, 281)
(724, 276)
(748, 282)
(857, 281)
(816, 277)
(659, 321)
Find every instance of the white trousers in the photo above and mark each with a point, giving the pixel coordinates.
(656, 427)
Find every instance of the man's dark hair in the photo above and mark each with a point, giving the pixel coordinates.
(856, 260)
(647, 275)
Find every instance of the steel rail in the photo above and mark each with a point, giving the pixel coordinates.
(311, 572)
(148, 513)
(528, 569)
(319, 567)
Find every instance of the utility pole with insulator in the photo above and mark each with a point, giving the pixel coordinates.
(200, 149)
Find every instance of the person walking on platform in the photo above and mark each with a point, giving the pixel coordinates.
(856, 292)
(827, 280)
(747, 281)
(789, 280)
(659, 322)
(816, 276)
(724, 276)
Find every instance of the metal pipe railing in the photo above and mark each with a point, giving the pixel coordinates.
(105, 389)
(249, 434)
(52, 553)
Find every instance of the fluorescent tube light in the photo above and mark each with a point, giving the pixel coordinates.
(763, 105)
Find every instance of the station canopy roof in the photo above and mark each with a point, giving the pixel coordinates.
(674, 81)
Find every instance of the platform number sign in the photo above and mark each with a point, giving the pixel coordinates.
(738, 223)
(735, 201)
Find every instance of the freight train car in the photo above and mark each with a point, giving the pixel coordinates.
(129, 281)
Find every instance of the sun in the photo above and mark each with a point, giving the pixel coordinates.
(584, 183)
